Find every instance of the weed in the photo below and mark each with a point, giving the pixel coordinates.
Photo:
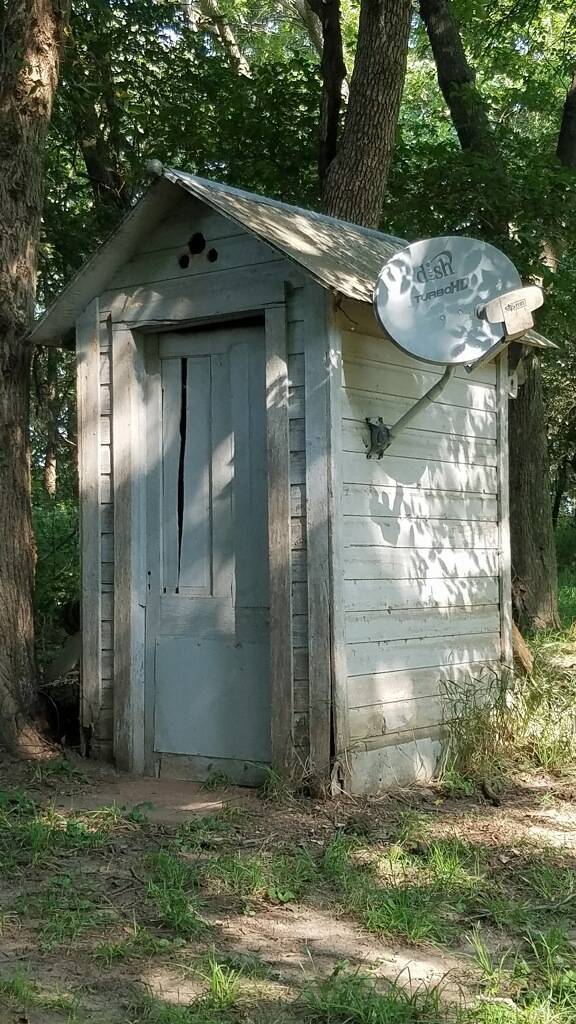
(223, 985)
(139, 943)
(494, 972)
(217, 780)
(59, 768)
(173, 890)
(498, 725)
(398, 904)
(64, 911)
(347, 997)
(24, 993)
(281, 878)
(208, 830)
(273, 786)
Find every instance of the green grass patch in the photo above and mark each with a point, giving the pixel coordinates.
(276, 878)
(139, 943)
(31, 834)
(208, 831)
(23, 993)
(386, 891)
(64, 910)
(173, 889)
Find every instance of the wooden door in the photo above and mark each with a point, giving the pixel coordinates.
(207, 608)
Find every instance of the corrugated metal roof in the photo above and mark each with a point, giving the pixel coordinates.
(341, 256)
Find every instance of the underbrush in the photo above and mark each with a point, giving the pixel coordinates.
(498, 728)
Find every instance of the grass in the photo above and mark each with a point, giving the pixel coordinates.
(173, 889)
(31, 834)
(65, 909)
(20, 991)
(139, 943)
(278, 878)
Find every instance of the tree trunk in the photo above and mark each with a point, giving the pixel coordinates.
(566, 148)
(457, 81)
(333, 71)
(532, 537)
(356, 179)
(31, 32)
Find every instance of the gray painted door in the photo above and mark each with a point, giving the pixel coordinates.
(209, 615)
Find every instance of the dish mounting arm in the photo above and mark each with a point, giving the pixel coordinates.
(381, 436)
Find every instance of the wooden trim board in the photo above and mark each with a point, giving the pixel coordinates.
(317, 376)
(129, 476)
(340, 722)
(279, 545)
(88, 397)
(505, 575)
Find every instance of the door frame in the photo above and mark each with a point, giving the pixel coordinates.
(131, 387)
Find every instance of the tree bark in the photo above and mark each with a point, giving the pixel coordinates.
(532, 537)
(333, 70)
(31, 32)
(457, 80)
(356, 179)
(566, 148)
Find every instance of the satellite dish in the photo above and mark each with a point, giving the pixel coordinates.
(448, 300)
(431, 299)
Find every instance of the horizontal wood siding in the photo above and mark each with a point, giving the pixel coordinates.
(421, 557)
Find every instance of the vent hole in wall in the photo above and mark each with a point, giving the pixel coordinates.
(212, 255)
(197, 243)
(184, 260)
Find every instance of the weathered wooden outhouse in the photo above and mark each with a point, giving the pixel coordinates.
(255, 590)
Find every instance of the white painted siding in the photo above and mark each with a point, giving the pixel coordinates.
(421, 559)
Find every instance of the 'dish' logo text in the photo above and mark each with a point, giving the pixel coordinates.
(435, 270)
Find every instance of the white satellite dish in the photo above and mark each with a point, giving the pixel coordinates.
(429, 296)
(451, 301)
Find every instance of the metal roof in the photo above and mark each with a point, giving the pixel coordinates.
(341, 256)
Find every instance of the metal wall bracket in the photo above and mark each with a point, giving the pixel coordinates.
(381, 436)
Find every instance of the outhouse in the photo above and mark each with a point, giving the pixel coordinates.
(256, 591)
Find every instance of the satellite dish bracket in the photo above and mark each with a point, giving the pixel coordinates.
(381, 436)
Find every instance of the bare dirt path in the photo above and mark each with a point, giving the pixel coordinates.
(82, 922)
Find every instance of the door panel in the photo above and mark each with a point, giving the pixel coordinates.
(207, 616)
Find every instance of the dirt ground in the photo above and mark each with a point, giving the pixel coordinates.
(296, 941)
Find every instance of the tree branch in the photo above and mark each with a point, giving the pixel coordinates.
(216, 24)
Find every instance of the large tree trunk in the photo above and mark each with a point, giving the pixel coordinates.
(532, 539)
(566, 148)
(356, 179)
(533, 551)
(31, 32)
(333, 71)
